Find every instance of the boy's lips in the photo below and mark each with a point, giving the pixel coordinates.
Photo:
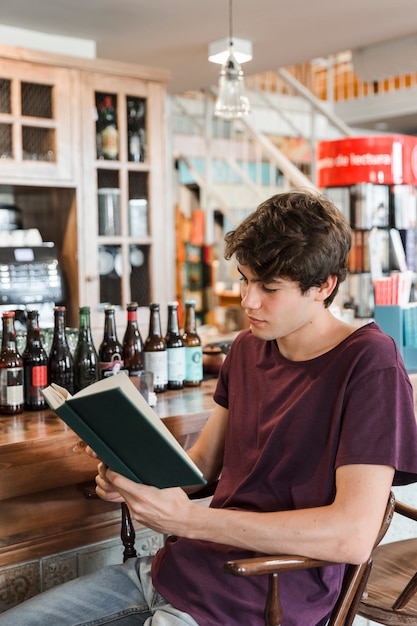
(254, 320)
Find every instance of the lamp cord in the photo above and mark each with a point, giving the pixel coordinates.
(230, 23)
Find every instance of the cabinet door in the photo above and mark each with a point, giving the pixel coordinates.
(35, 122)
(124, 212)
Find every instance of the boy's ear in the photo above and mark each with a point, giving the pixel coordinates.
(327, 288)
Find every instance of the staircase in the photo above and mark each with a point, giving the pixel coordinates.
(236, 164)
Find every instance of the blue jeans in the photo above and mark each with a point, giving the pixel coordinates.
(117, 594)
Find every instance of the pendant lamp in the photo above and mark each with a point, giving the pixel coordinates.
(231, 101)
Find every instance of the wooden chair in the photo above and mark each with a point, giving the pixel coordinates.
(390, 597)
(354, 583)
(353, 587)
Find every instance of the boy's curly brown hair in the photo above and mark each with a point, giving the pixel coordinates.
(296, 235)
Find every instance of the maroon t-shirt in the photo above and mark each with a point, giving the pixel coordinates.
(290, 425)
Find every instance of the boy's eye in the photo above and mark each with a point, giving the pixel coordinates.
(268, 289)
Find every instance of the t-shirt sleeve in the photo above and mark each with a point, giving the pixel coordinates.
(379, 424)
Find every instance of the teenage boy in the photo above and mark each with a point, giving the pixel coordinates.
(313, 424)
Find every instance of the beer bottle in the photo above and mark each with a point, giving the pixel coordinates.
(155, 351)
(11, 370)
(110, 354)
(60, 361)
(132, 342)
(193, 348)
(85, 355)
(175, 349)
(35, 365)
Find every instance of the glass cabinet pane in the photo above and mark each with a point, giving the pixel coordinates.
(6, 150)
(108, 202)
(5, 104)
(138, 204)
(107, 133)
(38, 144)
(139, 277)
(109, 211)
(110, 270)
(36, 100)
(136, 129)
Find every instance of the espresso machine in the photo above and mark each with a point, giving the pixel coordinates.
(31, 278)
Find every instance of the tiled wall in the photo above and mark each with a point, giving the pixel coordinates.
(20, 582)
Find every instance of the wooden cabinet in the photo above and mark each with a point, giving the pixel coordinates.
(36, 124)
(125, 195)
(52, 164)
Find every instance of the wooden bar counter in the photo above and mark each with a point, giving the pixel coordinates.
(43, 507)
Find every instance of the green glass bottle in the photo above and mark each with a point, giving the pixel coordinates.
(85, 355)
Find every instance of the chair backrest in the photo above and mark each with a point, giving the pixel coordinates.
(391, 593)
(356, 577)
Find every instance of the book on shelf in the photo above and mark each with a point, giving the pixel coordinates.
(114, 419)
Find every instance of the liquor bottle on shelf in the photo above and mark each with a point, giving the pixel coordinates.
(35, 365)
(135, 148)
(110, 354)
(11, 370)
(108, 144)
(155, 351)
(60, 360)
(175, 349)
(193, 347)
(85, 354)
(132, 342)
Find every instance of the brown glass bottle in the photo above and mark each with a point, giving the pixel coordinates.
(110, 354)
(85, 355)
(132, 342)
(193, 347)
(175, 349)
(155, 351)
(60, 361)
(35, 365)
(11, 370)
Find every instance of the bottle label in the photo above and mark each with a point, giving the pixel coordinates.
(11, 386)
(157, 363)
(194, 363)
(39, 376)
(109, 368)
(109, 137)
(176, 364)
(35, 379)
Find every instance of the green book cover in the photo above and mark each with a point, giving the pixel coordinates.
(114, 419)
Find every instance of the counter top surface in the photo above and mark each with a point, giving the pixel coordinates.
(31, 426)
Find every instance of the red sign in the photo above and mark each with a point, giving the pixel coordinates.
(378, 159)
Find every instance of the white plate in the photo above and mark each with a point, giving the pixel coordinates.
(105, 262)
(118, 265)
(137, 257)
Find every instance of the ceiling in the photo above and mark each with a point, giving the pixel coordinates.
(174, 34)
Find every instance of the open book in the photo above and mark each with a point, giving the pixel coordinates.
(115, 420)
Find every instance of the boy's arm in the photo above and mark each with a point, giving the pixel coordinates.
(344, 531)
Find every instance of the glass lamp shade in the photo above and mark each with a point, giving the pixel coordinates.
(231, 101)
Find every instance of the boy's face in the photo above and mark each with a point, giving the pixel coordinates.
(277, 309)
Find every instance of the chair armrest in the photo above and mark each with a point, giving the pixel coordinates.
(272, 565)
(406, 510)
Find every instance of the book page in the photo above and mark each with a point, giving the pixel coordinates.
(55, 395)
